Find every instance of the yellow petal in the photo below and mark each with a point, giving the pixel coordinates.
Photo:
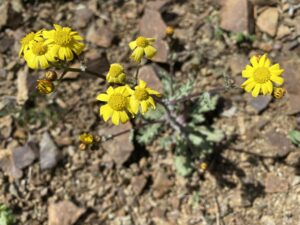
(142, 84)
(106, 111)
(256, 90)
(262, 60)
(275, 67)
(153, 92)
(134, 105)
(247, 73)
(132, 45)
(264, 88)
(144, 107)
(43, 62)
(102, 97)
(267, 63)
(115, 118)
(247, 82)
(124, 117)
(249, 87)
(152, 102)
(277, 72)
(278, 80)
(137, 54)
(253, 61)
(57, 27)
(150, 51)
(270, 86)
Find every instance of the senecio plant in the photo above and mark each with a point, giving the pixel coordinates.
(176, 120)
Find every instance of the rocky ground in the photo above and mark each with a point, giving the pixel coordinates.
(252, 177)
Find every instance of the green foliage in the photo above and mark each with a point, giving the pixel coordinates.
(294, 135)
(183, 166)
(6, 216)
(240, 38)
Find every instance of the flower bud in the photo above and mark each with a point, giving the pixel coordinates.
(45, 86)
(169, 31)
(86, 138)
(279, 92)
(82, 147)
(51, 75)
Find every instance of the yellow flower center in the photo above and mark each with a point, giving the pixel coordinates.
(261, 75)
(117, 102)
(142, 42)
(38, 48)
(141, 94)
(62, 37)
(29, 37)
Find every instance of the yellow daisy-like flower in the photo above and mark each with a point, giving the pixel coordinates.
(116, 74)
(65, 41)
(39, 55)
(261, 75)
(142, 96)
(28, 38)
(117, 105)
(86, 138)
(142, 46)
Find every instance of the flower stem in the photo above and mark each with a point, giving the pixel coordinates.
(84, 71)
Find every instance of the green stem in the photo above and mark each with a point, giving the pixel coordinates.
(85, 71)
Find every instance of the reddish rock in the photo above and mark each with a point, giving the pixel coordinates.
(148, 74)
(275, 184)
(237, 16)
(279, 143)
(101, 37)
(267, 21)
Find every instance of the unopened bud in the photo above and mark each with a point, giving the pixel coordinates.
(82, 147)
(279, 92)
(86, 138)
(45, 86)
(169, 31)
(51, 75)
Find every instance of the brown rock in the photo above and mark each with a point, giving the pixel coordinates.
(63, 213)
(156, 5)
(8, 165)
(264, 2)
(138, 184)
(237, 16)
(275, 184)
(24, 156)
(237, 63)
(6, 43)
(6, 123)
(22, 85)
(152, 25)
(283, 31)
(147, 73)
(279, 143)
(162, 184)
(3, 13)
(120, 147)
(238, 199)
(101, 37)
(267, 21)
(82, 17)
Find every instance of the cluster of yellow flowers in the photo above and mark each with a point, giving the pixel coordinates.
(261, 76)
(46, 47)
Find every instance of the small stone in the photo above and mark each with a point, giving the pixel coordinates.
(148, 74)
(281, 145)
(82, 17)
(275, 184)
(63, 213)
(3, 13)
(22, 85)
(120, 147)
(267, 21)
(237, 63)
(267, 220)
(138, 184)
(237, 199)
(6, 43)
(237, 16)
(101, 37)
(24, 156)
(162, 184)
(261, 102)
(49, 154)
(283, 31)
(6, 127)
(157, 4)
(8, 165)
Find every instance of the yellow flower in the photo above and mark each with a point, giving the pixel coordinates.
(117, 104)
(261, 75)
(142, 96)
(116, 74)
(45, 86)
(38, 55)
(28, 38)
(86, 138)
(279, 92)
(65, 41)
(142, 46)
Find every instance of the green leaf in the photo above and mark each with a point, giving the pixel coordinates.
(183, 166)
(213, 135)
(147, 134)
(183, 90)
(156, 114)
(294, 135)
(6, 216)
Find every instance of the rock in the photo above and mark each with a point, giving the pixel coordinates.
(148, 74)
(49, 154)
(267, 21)
(156, 5)
(6, 124)
(275, 184)
(237, 63)
(264, 2)
(6, 44)
(119, 148)
(82, 17)
(3, 13)
(64, 213)
(261, 102)
(24, 156)
(237, 16)
(237, 199)
(101, 37)
(279, 143)
(291, 66)
(138, 184)
(152, 25)
(8, 165)
(283, 31)
(267, 220)
(22, 85)
(162, 184)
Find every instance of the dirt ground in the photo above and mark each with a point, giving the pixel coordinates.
(252, 177)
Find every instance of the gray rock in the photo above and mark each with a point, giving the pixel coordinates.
(49, 154)
(261, 102)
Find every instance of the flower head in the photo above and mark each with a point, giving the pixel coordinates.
(66, 41)
(39, 55)
(86, 138)
(45, 86)
(279, 92)
(116, 74)
(142, 46)
(261, 75)
(142, 96)
(28, 38)
(117, 105)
